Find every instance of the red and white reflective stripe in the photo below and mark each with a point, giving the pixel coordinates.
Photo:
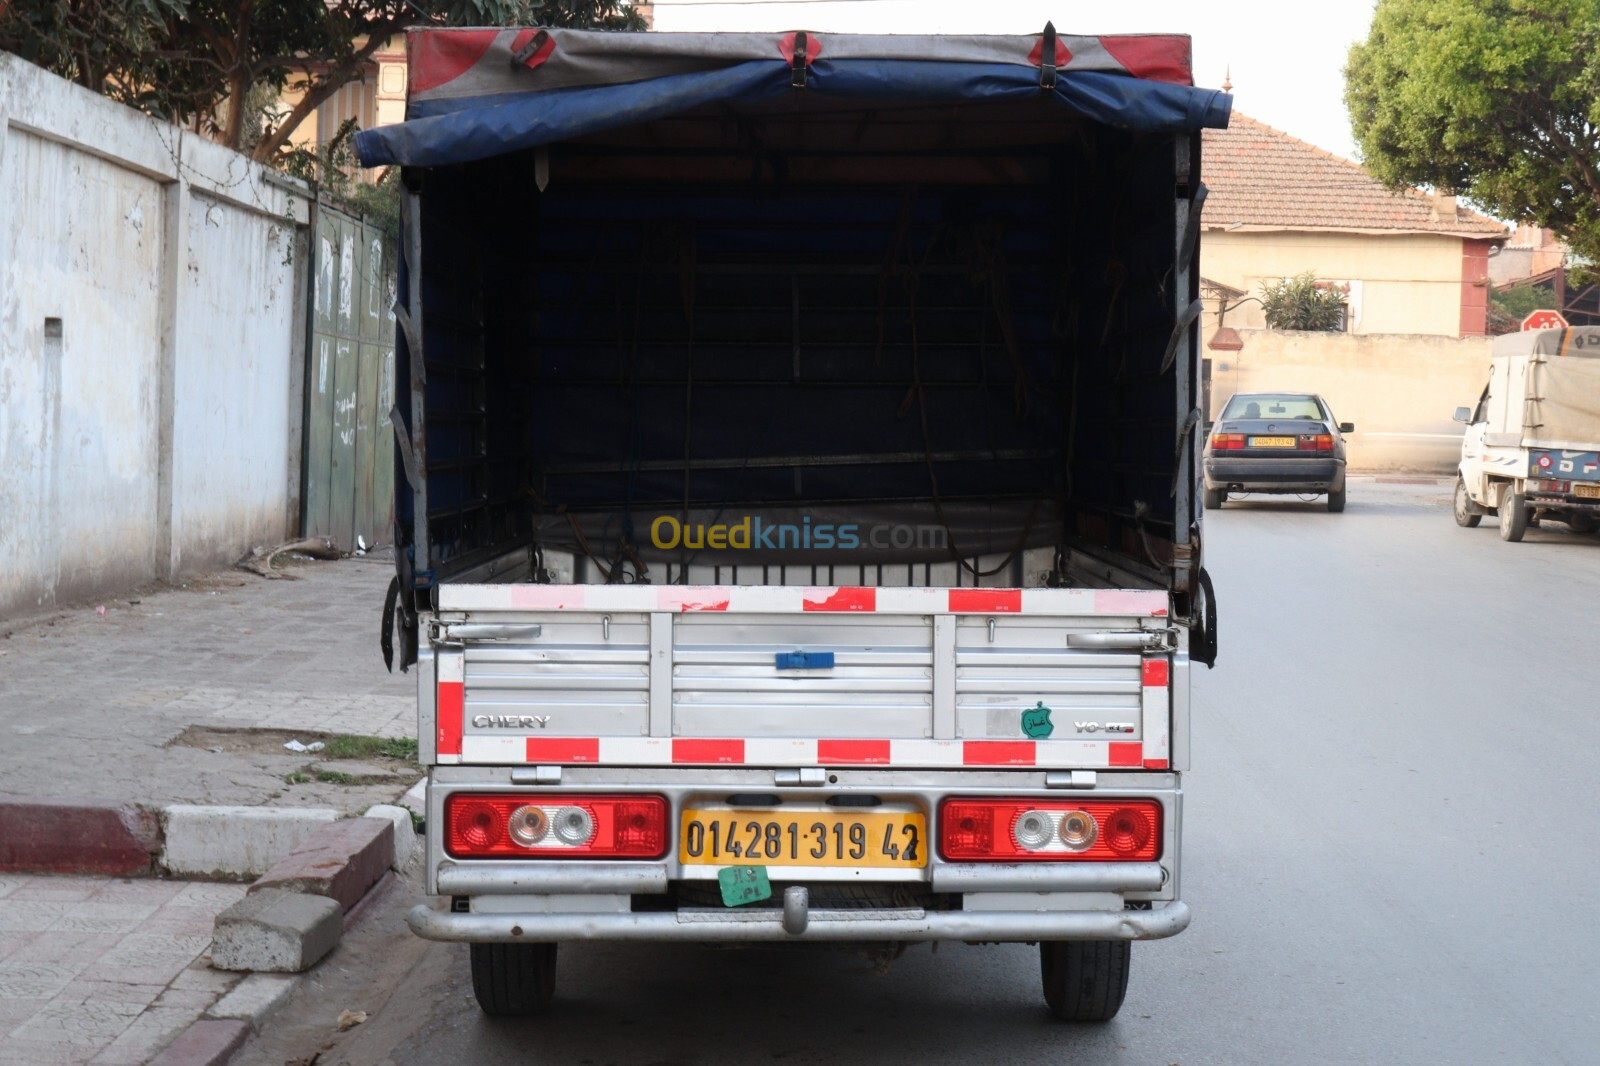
(1156, 704)
(450, 708)
(789, 599)
(522, 748)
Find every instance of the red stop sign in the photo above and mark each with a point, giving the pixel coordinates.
(1544, 320)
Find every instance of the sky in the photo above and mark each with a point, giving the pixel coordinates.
(1285, 59)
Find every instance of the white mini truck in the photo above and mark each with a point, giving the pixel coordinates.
(798, 530)
(1532, 445)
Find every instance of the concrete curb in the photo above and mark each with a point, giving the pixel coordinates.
(79, 837)
(208, 1042)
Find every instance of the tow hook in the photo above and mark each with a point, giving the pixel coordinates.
(796, 909)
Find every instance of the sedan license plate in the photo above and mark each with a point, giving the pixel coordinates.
(1588, 492)
(1272, 442)
(802, 838)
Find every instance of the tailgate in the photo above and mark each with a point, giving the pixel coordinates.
(640, 675)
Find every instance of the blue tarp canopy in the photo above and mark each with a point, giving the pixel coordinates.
(475, 94)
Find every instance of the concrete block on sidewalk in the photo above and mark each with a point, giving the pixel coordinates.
(254, 999)
(274, 931)
(205, 1043)
(340, 860)
(78, 837)
(416, 799)
(405, 837)
(235, 842)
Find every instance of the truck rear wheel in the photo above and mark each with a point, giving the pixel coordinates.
(1463, 506)
(1579, 522)
(1513, 515)
(1084, 980)
(513, 980)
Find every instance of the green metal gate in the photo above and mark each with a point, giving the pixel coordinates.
(348, 475)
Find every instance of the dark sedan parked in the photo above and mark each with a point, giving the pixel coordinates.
(1277, 442)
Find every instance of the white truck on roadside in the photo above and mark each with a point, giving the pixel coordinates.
(1532, 446)
(798, 535)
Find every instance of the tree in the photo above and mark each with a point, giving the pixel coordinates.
(1498, 100)
(1301, 303)
(103, 45)
(200, 60)
(1508, 308)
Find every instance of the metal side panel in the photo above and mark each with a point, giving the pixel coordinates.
(727, 683)
(1019, 678)
(579, 675)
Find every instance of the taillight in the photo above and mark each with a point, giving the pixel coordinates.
(1324, 442)
(1555, 486)
(554, 827)
(1012, 830)
(1227, 442)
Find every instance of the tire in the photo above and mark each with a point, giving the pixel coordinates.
(1579, 522)
(1513, 515)
(1336, 501)
(513, 980)
(1464, 516)
(1084, 980)
(1214, 499)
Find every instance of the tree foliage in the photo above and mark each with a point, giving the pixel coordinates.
(1507, 309)
(1301, 303)
(203, 61)
(1498, 100)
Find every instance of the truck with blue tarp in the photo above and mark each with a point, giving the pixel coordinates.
(798, 536)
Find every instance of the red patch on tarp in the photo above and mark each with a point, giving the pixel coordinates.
(1153, 57)
(435, 57)
(813, 48)
(1063, 55)
(521, 41)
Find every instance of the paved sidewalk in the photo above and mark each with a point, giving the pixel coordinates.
(104, 971)
(92, 705)
(164, 697)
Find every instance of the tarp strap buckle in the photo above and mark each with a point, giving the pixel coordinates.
(1047, 57)
(797, 64)
(531, 49)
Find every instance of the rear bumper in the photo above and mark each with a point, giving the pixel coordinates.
(1275, 475)
(910, 924)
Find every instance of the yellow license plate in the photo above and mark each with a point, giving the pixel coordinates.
(808, 838)
(1588, 492)
(1272, 442)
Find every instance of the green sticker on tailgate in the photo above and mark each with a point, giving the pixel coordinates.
(744, 884)
(1036, 721)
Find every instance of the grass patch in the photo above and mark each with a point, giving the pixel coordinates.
(351, 746)
(296, 778)
(334, 777)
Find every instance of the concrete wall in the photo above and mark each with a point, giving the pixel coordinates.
(151, 335)
(1400, 391)
(1403, 283)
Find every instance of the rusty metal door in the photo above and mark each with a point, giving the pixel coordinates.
(348, 477)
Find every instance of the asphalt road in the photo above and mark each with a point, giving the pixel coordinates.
(1391, 843)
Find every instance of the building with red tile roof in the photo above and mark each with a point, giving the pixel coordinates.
(1411, 262)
